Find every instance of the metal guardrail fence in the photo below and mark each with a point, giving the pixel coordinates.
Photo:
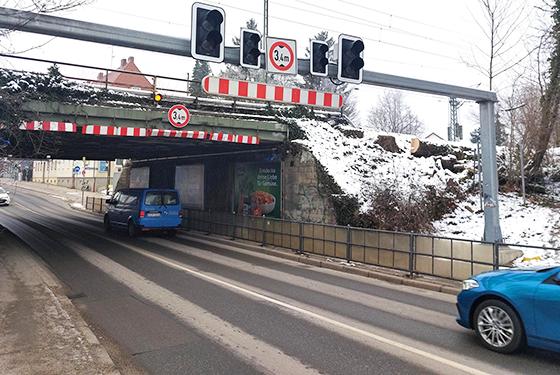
(96, 204)
(449, 258)
(417, 254)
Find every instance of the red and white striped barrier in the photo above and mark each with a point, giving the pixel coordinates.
(140, 132)
(194, 134)
(114, 130)
(234, 138)
(270, 93)
(49, 126)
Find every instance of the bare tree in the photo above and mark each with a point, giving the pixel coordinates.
(503, 20)
(392, 115)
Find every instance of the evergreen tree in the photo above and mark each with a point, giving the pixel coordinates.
(501, 135)
(201, 69)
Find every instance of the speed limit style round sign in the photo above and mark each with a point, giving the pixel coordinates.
(281, 56)
(178, 116)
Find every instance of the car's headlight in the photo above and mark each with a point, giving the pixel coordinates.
(470, 284)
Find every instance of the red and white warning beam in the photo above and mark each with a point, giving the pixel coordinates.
(234, 138)
(270, 93)
(49, 126)
(139, 132)
(191, 134)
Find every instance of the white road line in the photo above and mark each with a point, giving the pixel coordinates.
(250, 349)
(397, 308)
(410, 349)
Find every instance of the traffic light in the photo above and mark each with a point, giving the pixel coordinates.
(157, 97)
(207, 33)
(319, 64)
(350, 59)
(250, 53)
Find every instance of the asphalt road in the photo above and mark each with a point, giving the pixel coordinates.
(189, 306)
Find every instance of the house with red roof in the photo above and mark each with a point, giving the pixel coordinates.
(122, 79)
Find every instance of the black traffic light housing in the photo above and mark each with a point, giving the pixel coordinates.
(208, 32)
(250, 52)
(350, 59)
(319, 62)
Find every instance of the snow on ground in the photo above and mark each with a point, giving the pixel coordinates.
(359, 165)
(529, 224)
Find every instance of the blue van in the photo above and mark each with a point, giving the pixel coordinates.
(140, 210)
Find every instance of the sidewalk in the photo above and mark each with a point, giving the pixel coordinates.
(41, 332)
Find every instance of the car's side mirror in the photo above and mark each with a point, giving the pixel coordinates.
(109, 201)
(556, 278)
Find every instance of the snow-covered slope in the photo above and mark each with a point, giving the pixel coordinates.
(359, 165)
(529, 224)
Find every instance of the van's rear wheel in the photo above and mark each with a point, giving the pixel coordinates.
(107, 223)
(132, 230)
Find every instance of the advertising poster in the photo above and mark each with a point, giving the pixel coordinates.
(189, 182)
(258, 189)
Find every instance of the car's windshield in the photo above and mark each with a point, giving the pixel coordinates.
(2, 191)
(158, 198)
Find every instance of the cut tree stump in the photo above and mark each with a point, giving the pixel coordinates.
(388, 143)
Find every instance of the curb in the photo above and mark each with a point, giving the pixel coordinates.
(323, 263)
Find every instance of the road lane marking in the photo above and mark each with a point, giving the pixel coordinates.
(377, 302)
(250, 349)
(313, 315)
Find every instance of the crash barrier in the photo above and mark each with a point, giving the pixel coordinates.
(96, 204)
(417, 254)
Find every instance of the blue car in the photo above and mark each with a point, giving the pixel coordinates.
(140, 210)
(509, 309)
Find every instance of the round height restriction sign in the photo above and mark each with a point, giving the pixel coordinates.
(178, 116)
(281, 56)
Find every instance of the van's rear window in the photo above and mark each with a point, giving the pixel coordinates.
(159, 198)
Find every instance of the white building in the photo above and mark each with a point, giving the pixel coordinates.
(95, 175)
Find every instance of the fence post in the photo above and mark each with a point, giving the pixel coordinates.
(263, 231)
(411, 249)
(348, 244)
(301, 239)
(496, 255)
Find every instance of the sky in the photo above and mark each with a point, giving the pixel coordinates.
(430, 39)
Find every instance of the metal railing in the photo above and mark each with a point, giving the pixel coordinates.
(416, 254)
(175, 87)
(96, 204)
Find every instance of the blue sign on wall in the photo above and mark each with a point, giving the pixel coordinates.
(103, 166)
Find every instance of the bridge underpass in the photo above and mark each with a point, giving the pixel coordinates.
(105, 133)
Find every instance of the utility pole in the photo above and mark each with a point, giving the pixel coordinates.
(265, 19)
(108, 176)
(454, 130)
(265, 35)
(522, 168)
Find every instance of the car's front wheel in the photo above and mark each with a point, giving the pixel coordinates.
(498, 326)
